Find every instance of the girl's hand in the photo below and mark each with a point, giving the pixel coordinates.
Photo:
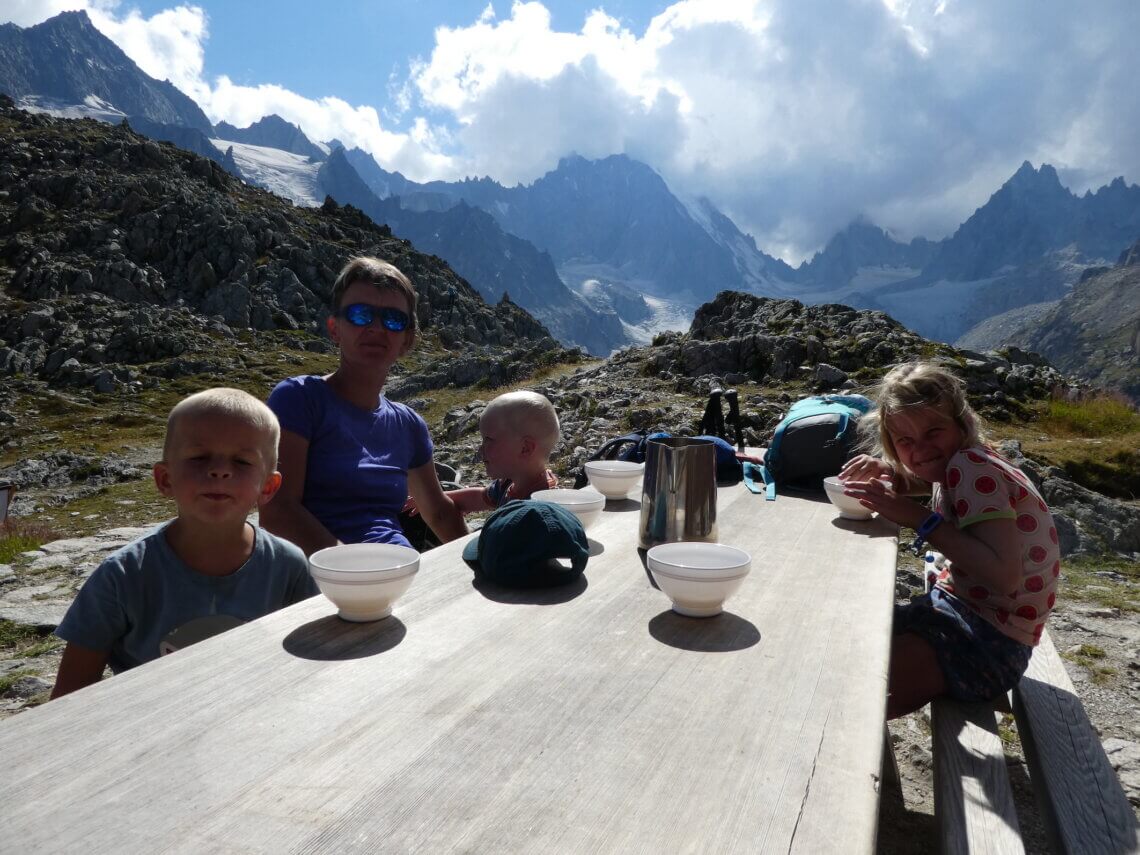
(867, 468)
(410, 508)
(879, 496)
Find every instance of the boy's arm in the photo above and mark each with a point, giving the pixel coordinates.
(79, 667)
(437, 507)
(470, 500)
(284, 515)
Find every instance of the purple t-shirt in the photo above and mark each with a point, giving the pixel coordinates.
(356, 478)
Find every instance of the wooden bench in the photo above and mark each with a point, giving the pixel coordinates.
(1082, 804)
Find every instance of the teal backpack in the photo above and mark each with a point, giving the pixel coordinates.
(813, 441)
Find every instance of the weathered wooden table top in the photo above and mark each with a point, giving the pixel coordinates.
(583, 719)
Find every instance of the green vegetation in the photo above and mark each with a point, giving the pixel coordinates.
(1094, 440)
(1102, 437)
(1089, 656)
(9, 680)
(1099, 416)
(18, 640)
(1090, 580)
(1007, 731)
(23, 535)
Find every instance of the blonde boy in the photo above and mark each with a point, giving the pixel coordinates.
(206, 570)
(519, 430)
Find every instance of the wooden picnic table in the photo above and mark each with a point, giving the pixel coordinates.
(584, 719)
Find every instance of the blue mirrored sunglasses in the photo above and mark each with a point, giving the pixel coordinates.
(363, 315)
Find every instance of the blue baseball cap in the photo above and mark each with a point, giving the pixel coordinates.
(521, 543)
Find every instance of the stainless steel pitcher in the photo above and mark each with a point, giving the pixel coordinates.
(678, 500)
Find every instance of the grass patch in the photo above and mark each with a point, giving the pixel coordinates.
(1091, 651)
(1090, 580)
(128, 503)
(22, 641)
(1095, 441)
(1007, 731)
(10, 680)
(1088, 656)
(19, 535)
(48, 420)
(1098, 416)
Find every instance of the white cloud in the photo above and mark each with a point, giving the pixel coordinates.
(171, 45)
(796, 117)
(26, 13)
(168, 45)
(793, 117)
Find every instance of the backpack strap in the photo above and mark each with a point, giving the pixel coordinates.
(844, 421)
(769, 482)
(612, 448)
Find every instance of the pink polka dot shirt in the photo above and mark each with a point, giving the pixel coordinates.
(983, 485)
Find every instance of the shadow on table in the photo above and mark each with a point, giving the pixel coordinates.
(332, 638)
(623, 506)
(722, 633)
(874, 527)
(532, 596)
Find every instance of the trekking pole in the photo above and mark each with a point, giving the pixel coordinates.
(734, 418)
(713, 417)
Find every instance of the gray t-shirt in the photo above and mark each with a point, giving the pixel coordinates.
(144, 593)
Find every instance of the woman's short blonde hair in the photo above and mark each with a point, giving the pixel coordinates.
(918, 384)
(379, 274)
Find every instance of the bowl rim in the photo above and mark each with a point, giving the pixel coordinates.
(706, 575)
(848, 507)
(410, 559)
(372, 581)
(587, 495)
(615, 468)
(654, 553)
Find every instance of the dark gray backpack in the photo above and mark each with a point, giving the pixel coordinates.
(813, 441)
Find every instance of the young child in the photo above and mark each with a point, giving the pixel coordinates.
(972, 634)
(208, 565)
(519, 431)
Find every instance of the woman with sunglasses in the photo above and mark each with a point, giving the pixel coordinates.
(348, 456)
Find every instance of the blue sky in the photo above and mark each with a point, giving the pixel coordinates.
(377, 39)
(793, 116)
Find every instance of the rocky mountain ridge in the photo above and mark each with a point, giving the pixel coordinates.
(66, 61)
(475, 247)
(1094, 331)
(620, 215)
(272, 131)
(612, 229)
(1032, 215)
(860, 246)
(123, 258)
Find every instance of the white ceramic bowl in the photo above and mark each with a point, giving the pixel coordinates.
(614, 479)
(364, 580)
(585, 504)
(698, 577)
(848, 507)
